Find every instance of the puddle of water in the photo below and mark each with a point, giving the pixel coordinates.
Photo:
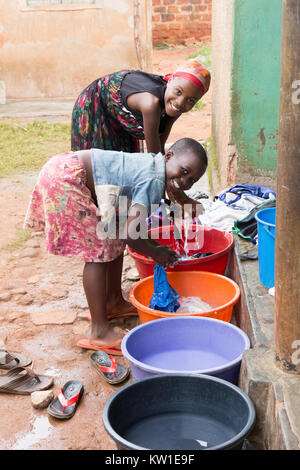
(40, 429)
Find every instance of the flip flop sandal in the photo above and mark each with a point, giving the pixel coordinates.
(109, 348)
(65, 404)
(107, 366)
(22, 381)
(9, 360)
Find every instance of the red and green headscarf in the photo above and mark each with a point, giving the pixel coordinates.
(194, 72)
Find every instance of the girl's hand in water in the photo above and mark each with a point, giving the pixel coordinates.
(192, 209)
(164, 256)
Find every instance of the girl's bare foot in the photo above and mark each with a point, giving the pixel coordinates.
(119, 306)
(118, 309)
(108, 336)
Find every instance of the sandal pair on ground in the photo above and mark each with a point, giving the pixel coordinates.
(66, 403)
(21, 381)
(18, 379)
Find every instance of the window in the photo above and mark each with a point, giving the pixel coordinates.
(31, 6)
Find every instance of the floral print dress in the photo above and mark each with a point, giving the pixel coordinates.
(62, 207)
(100, 120)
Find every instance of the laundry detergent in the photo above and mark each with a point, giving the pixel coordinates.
(192, 305)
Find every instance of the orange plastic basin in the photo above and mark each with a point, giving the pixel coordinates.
(218, 291)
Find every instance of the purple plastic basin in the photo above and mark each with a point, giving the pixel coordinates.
(197, 345)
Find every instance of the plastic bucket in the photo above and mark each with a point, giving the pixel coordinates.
(218, 291)
(266, 246)
(186, 345)
(171, 411)
(197, 238)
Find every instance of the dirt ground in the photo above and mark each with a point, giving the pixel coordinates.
(43, 312)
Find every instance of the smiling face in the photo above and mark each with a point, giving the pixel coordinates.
(183, 170)
(180, 96)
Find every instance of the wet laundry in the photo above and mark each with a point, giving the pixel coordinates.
(164, 297)
(226, 214)
(234, 193)
(195, 256)
(193, 304)
(201, 255)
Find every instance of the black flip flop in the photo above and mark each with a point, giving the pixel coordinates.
(65, 404)
(108, 367)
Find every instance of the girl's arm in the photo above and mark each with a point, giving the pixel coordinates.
(149, 106)
(179, 196)
(164, 136)
(160, 253)
(147, 246)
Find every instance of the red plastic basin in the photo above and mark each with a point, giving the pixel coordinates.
(199, 238)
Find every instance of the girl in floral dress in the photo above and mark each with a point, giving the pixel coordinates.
(78, 194)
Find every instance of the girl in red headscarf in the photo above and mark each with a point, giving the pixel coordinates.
(140, 104)
(119, 110)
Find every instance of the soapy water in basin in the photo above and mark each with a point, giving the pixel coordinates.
(192, 304)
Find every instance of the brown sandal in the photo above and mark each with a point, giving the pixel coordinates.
(23, 381)
(9, 360)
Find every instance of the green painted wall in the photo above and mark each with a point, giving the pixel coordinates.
(256, 84)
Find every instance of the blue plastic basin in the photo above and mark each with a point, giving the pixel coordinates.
(199, 345)
(266, 227)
